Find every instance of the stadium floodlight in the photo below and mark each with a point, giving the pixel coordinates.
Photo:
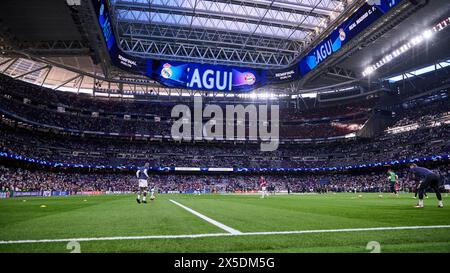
(427, 34)
(369, 70)
(387, 58)
(416, 40)
(405, 47)
(396, 52)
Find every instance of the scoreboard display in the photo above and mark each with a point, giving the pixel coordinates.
(208, 77)
(235, 78)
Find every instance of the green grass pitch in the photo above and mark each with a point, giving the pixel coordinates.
(121, 216)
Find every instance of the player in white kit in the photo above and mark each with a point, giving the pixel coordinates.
(263, 185)
(152, 193)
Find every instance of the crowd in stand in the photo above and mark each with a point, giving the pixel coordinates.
(54, 146)
(417, 115)
(93, 151)
(34, 180)
(160, 108)
(145, 126)
(40, 105)
(80, 122)
(425, 140)
(320, 113)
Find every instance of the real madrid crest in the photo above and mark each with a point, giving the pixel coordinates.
(166, 72)
(341, 34)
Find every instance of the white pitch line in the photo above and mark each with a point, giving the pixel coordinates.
(344, 230)
(207, 219)
(116, 238)
(184, 236)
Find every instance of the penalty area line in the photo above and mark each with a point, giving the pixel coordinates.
(186, 236)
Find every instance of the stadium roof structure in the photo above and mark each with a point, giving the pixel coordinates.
(255, 33)
(52, 42)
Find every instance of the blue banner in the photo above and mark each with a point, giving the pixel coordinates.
(207, 169)
(355, 24)
(27, 193)
(60, 193)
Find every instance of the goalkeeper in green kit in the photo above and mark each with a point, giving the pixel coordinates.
(393, 180)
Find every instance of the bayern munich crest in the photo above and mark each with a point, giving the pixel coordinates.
(249, 78)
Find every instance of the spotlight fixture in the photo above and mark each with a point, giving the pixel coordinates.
(416, 40)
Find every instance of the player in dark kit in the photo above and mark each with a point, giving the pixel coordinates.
(417, 191)
(428, 180)
(142, 177)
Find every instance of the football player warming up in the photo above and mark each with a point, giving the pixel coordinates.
(428, 180)
(142, 176)
(152, 194)
(417, 190)
(393, 180)
(263, 185)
